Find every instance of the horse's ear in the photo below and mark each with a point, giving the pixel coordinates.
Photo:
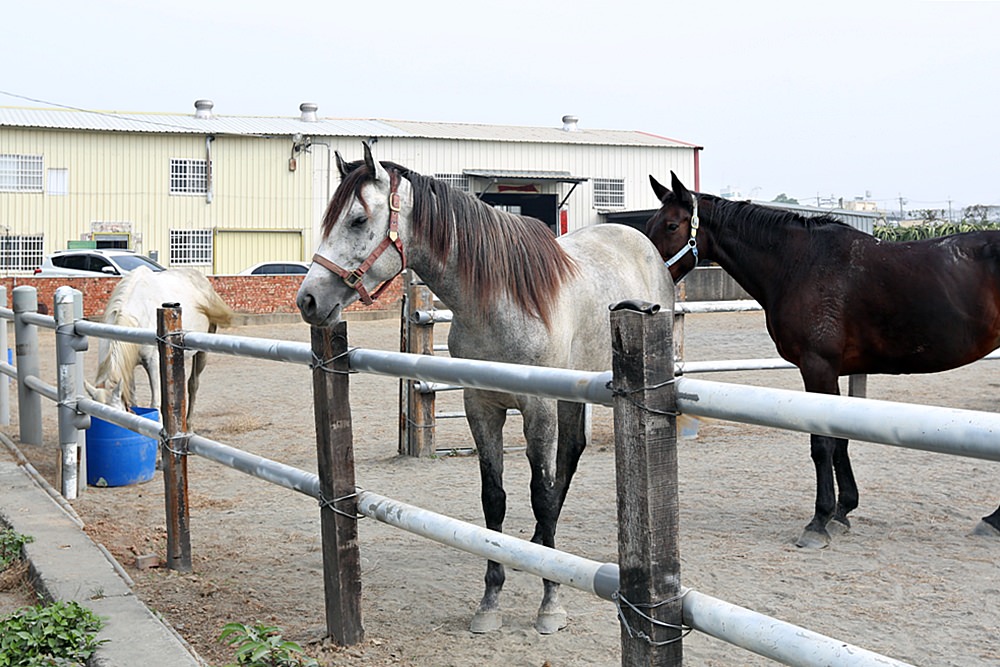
(341, 165)
(116, 394)
(91, 389)
(680, 191)
(375, 167)
(659, 190)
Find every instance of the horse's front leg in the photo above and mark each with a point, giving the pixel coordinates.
(486, 420)
(820, 377)
(549, 461)
(847, 488)
(151, 362)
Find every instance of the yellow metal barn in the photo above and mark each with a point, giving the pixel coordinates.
(221, 193)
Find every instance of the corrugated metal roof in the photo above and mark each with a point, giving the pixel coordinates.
(117, 121)
(555, 135)
(525, 175)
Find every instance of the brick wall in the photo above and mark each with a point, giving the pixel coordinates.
(246, 295)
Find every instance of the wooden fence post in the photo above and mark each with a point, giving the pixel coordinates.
(649, 596)
(418, 414)
(338, 512)
(174, 448)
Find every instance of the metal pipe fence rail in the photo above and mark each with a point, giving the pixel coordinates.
(953, 431)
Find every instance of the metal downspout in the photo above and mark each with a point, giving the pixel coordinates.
(208, 168)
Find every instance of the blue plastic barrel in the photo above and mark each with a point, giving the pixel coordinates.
(117, 456)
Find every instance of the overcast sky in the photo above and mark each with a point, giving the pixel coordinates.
(899, 99)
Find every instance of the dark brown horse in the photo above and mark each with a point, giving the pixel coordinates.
(842, 302)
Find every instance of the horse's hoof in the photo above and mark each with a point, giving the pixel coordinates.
(812, 539)
(838, 527)
(486, 621)
(984, 529)
(550, 622)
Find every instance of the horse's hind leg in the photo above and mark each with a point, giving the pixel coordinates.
(989, 526)
(486, 422)
(197, 366)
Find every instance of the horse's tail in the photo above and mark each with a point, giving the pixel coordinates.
(217, 311)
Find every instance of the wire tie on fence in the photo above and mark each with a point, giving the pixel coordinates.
(326, 365)
(331, 504)
(621, 601)
(414, 424)
(177, 436)
(165, 339)
(627, 395)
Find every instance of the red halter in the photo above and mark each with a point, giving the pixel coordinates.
(353, 278)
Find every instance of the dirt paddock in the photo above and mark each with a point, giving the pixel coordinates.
(908, 580)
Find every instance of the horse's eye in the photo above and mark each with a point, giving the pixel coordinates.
(358, 221)
(673, 226)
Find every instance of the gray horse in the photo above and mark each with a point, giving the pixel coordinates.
(517, 295)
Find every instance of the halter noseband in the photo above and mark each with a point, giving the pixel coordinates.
(692, 243)
(353, 278)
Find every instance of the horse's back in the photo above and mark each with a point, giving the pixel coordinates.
(142, 291)
(618, 262)
(614, 263)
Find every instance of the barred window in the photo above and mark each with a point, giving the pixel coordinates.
(457, 181)
(188, 177)
(20, 253)
(609, 193)
(190, 246)
(20, 173)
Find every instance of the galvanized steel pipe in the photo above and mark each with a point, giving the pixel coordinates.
(929, 428)
(772, 638)
(564, 384)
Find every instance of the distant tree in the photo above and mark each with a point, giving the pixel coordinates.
(930, 216)
(977, 214)
(785, 199)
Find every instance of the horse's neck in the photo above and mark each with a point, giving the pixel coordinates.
(118, 365)
(752, 265)
(442, 280)
(119, 358)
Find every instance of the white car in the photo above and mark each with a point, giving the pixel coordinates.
(93, 262)
(276, 269)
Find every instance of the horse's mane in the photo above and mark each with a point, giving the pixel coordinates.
(764, 225)
(497, 253)
(122, 358)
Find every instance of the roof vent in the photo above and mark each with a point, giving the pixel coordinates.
(569, 123)
(308, 110)
(203, 108)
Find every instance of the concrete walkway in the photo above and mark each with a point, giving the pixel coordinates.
(67, 565)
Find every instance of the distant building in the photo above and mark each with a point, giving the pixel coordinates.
(221, 193)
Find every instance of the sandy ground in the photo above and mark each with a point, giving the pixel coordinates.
(908, 581)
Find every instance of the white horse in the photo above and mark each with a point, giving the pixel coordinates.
(517, 294)
(133, 303)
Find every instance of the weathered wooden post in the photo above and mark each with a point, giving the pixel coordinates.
(857, 385)
(338, 509)
(418, 427)
(174, 448)
(649, 596)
